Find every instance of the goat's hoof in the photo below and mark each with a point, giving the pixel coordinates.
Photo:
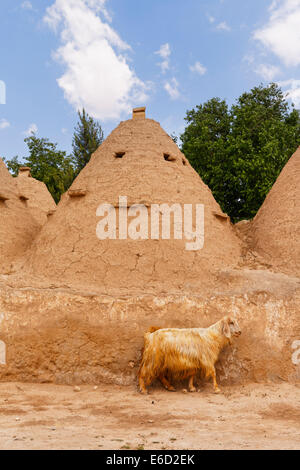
(217, 390)
(171, 389)
(143, 392)
(192, 389)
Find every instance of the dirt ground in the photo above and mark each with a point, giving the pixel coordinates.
(256, 416)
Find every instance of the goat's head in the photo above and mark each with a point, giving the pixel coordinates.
(230, 327)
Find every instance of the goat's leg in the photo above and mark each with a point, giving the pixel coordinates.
(143, 376)
(166, 383)
(142, 385)
(192, 388)
(213, 375)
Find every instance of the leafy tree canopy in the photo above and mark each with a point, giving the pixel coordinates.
(54, 167)
(239, 152)
(47, 164)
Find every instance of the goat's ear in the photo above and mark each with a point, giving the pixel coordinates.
(226, 329)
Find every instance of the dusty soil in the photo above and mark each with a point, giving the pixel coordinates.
(256, 416)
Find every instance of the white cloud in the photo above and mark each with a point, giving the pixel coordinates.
(97, 75)
(32, 129)
(268, 72)
(211, 19)
(249, 59)
(223, 26)
(292, 88)
(281, 34)
(27, 5)
(198, 68)
(172, 88)
(4, 124)
(164, 52)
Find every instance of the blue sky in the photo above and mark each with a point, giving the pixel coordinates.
(112, 55)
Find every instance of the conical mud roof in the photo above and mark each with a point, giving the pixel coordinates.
(276, 227)
(17, 225)
(35, 192)
(5, 176)
(140, 161)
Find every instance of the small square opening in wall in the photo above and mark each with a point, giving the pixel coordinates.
(119, 154)
(169, 157)
(3, 198)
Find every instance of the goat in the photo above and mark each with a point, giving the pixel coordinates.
(183, 352)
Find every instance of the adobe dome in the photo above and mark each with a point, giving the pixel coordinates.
(140, 161)
(276, 227)
(17, 225)
(39, 200)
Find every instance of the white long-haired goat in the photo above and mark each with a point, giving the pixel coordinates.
(181, 353)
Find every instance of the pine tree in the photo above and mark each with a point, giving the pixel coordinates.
(88, 135)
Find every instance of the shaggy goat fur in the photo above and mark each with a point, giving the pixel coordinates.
(181, 353)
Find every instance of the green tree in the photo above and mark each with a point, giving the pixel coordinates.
(13, 165)
(47, 164)
(240, 152)
(88, 135)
